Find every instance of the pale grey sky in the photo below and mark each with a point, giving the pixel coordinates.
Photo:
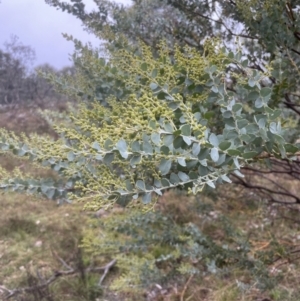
(41, 26)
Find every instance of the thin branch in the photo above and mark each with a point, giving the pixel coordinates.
(289, 104)
(197, 13)
(272, 171)
(232, 33)
(185, 287)
(61, 260)
(289, 11)
(239, 34)
(265, 155)
(183, 8)
(278, 186)
(39, 275)
(270, 191)
(106, 270)
(55, 276)
(294, 50)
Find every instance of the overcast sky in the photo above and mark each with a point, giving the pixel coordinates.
(41, 26)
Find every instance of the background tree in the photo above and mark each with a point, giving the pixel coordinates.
(15, 60)
(20, 84)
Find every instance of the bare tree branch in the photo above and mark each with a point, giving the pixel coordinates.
(289, 104)
(106, 270)
(274, 176)
(9, 293)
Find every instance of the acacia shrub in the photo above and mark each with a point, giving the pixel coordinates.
(178, 125)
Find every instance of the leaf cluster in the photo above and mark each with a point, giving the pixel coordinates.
(181, 125)
(152, 248)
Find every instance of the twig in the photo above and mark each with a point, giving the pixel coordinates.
(289, 104)
(265, 155)
(185, 287)
(106, 270)
(56, 275)
(39, 275)
(267, 190)
(60, 260)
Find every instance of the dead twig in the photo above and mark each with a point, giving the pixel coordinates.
(185, 287)
(45, 283)
(106, 270)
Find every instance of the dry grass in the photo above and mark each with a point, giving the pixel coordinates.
(31, 228)
(24, 120)
(266, 231)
